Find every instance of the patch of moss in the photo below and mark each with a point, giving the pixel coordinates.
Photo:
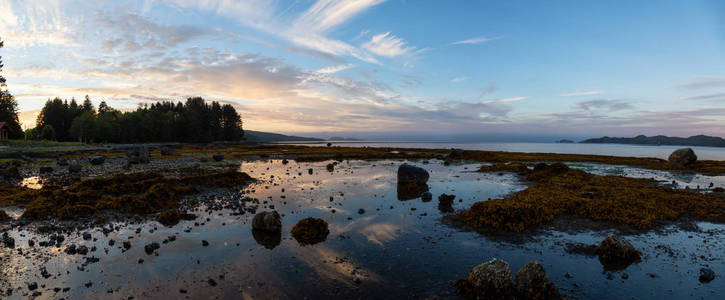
(559, 191)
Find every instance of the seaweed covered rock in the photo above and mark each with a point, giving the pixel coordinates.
(683, 157)
(489, 280)
(167, 151)
(310, 231)
(169, 217)
(616, 253)
(514, 167)
(268, 221)
(531, 282)
(9, 173)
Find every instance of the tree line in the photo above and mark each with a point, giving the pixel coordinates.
(8, 106)
(192, 121)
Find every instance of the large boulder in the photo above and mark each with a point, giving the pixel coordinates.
(96, 160)
(138, 155)
(531, 282)
(491, 279)
(412, 174)
(683, 157)
(412, 182)
(268, 221)
(616, 253)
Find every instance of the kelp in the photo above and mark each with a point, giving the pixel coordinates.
(558, 190)
(137, 193)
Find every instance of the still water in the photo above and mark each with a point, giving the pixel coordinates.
(391, 250)
(705, 153)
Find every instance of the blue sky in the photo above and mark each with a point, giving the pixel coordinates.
(367, 67)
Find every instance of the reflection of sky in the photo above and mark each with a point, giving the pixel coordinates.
(395, 252)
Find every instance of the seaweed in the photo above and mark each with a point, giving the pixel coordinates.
(559, 191)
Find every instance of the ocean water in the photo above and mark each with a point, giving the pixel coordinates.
(704, 153)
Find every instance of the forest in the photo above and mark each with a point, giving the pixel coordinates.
(193, 121)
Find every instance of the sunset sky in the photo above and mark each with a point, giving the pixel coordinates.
(373, 68)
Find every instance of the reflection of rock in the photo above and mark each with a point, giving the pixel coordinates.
(310, 231)
(616, 253)
(408, 191)
(267, 221)
(267, 239)
(683, 157)
(412, 182)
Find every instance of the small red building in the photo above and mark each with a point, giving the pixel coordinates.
(4, 131)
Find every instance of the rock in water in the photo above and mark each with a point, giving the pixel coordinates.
(427, 196)
(491, 279)
(616, 253)
(138, 155)
(268, 221)
(683, 157)
(706, 275)
(531, 283)
(96, 160)
(412, 174)
(310, 231)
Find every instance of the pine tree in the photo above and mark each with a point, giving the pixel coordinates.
(8, 106)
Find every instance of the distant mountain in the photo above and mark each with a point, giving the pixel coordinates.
(564, 141)
(259, 136)
(698, 140)
(343, 139)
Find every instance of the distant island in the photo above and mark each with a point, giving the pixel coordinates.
(697, 140)
(564, 141)
(260, 136)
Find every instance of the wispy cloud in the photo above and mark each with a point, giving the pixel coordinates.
(475, 40)
(388, 45)
(604, 104)
(505, 100)
(580, 93)
(459, 79)
(709, 97)
(704, 82)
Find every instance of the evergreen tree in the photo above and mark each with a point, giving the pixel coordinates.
(8, 106)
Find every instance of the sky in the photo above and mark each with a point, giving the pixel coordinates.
(395, 69)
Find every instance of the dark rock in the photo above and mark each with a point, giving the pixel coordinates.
(427, 196)
(8, 241)
(361, 211)
(310, 231)
(706, 275)
(455, 154)
(150, 248)
(96, 160)
(75, 168)
(489, 280)
(126, 245)
(61, 161)
(33, 286)
(82, 250)
(616, 253)
(218, 157)
(168, 151)
(683, 157)
(269, 221)
(412, 174)
(86, 236)
(330, 167)
(445, 203)
(531, 283)
(138, 155)
(718, 190)
(204, 243)
(45, 170)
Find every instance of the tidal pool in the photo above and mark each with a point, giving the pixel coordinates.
(378, 248)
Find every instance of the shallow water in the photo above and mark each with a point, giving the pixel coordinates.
(704, 153)
(389, 251)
